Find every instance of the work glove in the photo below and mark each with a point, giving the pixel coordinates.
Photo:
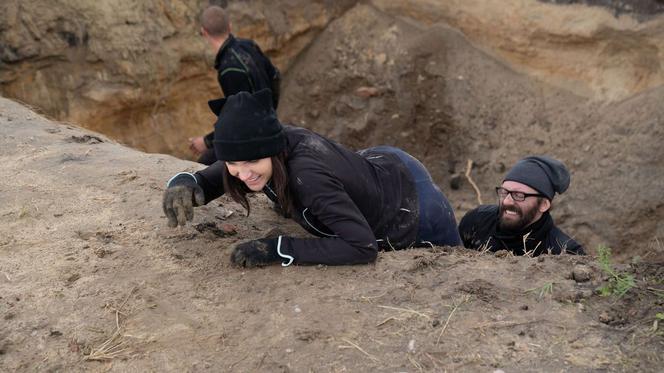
(256, 253)
(181, 195)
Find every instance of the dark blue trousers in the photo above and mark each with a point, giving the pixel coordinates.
(437, 224)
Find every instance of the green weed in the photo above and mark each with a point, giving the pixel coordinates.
(619, 283)
(545, 289)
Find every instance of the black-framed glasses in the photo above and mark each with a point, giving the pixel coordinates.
(517, 196)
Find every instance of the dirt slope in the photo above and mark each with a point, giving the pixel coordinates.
(86, 257)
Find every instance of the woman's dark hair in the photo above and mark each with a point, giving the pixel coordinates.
(238, 190)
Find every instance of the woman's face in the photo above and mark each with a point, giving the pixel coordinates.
(255, 174)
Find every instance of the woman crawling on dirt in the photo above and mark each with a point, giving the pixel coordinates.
(356, 203)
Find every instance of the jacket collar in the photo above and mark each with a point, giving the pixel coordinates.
(230, 40)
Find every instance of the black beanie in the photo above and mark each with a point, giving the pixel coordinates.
(247, 128)
(544, 174)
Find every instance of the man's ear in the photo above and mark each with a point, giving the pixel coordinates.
(544, 205)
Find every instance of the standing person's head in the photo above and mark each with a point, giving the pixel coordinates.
(528, 189)
(215, 25)
(250, 140)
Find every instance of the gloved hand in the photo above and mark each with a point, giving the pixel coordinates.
(256, 253)
(181, 195)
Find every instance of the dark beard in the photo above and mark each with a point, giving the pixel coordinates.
(518, 225)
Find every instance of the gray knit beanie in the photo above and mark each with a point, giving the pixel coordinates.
(542, 173)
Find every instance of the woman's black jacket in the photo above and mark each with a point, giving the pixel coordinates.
(354, 202)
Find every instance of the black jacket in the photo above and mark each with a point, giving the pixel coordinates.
(479, 230)
(357, 203)
(242, 66)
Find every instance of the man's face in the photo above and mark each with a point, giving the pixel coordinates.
(516, 215)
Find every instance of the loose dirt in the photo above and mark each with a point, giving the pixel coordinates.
(92, 279)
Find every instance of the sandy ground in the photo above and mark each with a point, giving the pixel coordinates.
(92, 279)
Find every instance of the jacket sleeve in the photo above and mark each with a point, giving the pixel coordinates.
(233, 81)
(325, 198)
(211, 180)
(467, 229)
(273, 75)
(209, 140)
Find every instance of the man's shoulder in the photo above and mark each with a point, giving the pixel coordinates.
(562, 241)
(243, 41)
(477, 225)
(306, 145)
(479, 219)
(482, 212)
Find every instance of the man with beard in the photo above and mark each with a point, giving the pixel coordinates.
(521, 222)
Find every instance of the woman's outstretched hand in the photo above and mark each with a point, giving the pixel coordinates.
(256, 253)
(180, 197)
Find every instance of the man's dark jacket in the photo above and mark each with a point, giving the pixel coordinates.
(479, 230)
(242, 67)
(347, 199)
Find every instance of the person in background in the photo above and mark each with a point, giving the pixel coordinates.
(241, 66)
(355, 203)
(521, 222)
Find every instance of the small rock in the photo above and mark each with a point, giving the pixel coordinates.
(501, 253)
(366, 92)
(74, 346)
(605, 318)
(582, 294)
(100, 253)
(73, 278)
(55, 333)
(455, 181)
(229, 229)
(581, 273)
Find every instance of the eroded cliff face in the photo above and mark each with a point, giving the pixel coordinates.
(606, 52)
(137, 71)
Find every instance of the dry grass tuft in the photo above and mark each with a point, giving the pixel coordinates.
(114, 346)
